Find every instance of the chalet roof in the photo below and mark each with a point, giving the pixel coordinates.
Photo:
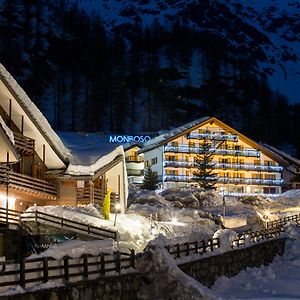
(283, 155)
(171, 134)
(89, 152)
(34, 114)
(179, 131)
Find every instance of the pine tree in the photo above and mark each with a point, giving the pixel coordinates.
(204, 174)
(150, 179)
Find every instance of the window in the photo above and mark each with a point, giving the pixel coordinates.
(146, 163)
(256, 162)
(255, 176)
(154, 161)
(269, 163)
(270, 176)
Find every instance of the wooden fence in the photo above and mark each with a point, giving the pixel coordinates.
(188, 248)
(9, 216)
(256, 236)
(283, 221)
(43, 269)
(201, 247)
(74, 226)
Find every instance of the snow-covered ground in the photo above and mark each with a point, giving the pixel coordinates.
(177, 216)
(279, 280)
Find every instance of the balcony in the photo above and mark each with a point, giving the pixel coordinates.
(88, 195)
(178, 164)
(255, 181)
(232, 152)
(218, 136)
(248, 167)
(135, 159)
(232, 180)
(27, 184)
(24, 145)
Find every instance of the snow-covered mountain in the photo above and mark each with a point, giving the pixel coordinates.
(266, 30)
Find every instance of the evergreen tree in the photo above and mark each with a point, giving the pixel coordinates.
(204, 174)
(150, 179)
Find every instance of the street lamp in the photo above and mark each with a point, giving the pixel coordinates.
(117, 209)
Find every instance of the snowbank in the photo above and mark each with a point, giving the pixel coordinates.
(165, 279)
(76, 249)
(291, 194)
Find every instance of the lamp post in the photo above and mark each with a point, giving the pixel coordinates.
(117, 209)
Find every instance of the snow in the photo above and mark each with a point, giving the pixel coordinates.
(32, 111)
(171, 133)
(78, 170)
(8, 132)
(279, 280)
(291, 194)
(165, 279)
(226, 237)
(76, 248)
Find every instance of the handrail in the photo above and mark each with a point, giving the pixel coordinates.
(259, 181)
(24, 142)
(74, 226)
(9, 216)
(43, 269)
(183, 148)
(16, 180)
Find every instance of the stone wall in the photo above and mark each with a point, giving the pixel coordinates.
(231, 263)
(123, 287)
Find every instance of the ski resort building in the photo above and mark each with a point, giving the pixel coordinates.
(36, 168)
(242, 166)
(291, 168)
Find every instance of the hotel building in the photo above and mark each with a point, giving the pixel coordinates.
(242, 165)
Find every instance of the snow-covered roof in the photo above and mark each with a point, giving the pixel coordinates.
(283, 155)
(89, 152)
(163, 138)
(41, 130)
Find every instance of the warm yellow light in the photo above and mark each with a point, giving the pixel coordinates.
(11, 201)
(118, 206)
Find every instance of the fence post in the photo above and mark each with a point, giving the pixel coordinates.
(62, 222)
(187, 244)
(178, 251)
(211, 245)
(196, 246)
(36, 215)
(22, 272)
(118, 261)
(89, 229)
(204, 247)
(102, 264)
(66, 267)
(45, 269)
(132, 258)
(85, 267)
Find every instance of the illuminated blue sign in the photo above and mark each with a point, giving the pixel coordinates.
(129, 138)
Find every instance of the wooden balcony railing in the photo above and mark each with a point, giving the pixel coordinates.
(24, 144)
(88, 195)
(27, 183)
(134, 159)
